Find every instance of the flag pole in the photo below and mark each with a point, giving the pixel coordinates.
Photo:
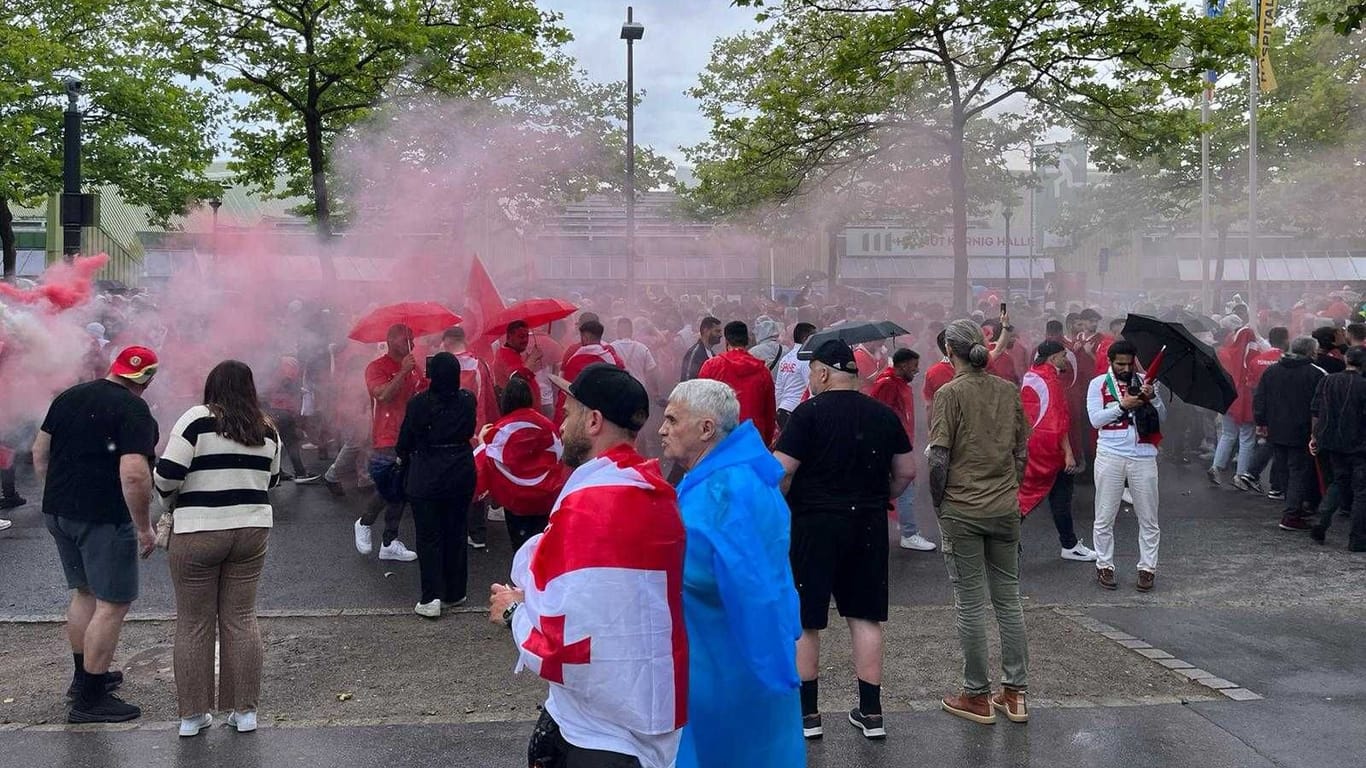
(1254, 88)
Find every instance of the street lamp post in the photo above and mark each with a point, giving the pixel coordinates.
(73, 207)
(631, 31)
(1007, 213)
(215, 204)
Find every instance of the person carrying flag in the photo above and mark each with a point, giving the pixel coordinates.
(1052, 465)
(518, 463)
(596, 602)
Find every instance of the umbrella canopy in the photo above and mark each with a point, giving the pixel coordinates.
(1189, 367)
(1194, 322)
(423, 317)
(851, 334)
(533, 312)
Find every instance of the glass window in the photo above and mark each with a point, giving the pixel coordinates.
(865, 242)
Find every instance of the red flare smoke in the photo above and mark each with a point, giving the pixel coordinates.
(63, 285)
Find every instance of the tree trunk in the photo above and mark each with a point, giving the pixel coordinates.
(322, 207)
(1220, 251)
(7, 246)
(958, 185)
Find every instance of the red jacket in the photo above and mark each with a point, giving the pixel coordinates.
(895, 392)
(938, 375)
(1237, 356)
(753, 385)
(1259, 365)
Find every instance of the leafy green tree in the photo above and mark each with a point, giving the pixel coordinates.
(830, 82)
(1311, 147)
(1345, 19)
(146, 131)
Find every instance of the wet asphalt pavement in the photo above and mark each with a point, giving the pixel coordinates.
(1266, 609)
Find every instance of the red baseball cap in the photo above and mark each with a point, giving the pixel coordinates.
(137, 364)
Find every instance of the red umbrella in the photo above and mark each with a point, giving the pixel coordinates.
(533, 312)
(423, 317)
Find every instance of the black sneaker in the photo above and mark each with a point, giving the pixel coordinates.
(871, 725)
(811, 726)
(476, 543)
(106, 709)
(308, 479)
(1294, 523)
(112, 680)
(1275, 495)
(1319, 534)
(12, 502)
(1213, 475)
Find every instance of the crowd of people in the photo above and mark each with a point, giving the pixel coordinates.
(677, 613)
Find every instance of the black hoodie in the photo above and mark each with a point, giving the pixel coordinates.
(434, 441)
(1283, 398)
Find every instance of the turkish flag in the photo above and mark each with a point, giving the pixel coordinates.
(602, 620)
(518, 463)
(482, 304)
(1044, 400)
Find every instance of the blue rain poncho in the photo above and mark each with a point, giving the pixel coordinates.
(741, 609)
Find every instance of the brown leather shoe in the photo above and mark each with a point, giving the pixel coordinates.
(1012, 704)
(1106, 578)
(1146, 580)
(975, 708)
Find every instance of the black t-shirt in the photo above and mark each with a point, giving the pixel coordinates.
(1329, 363)
(845, 441)
(92, 425)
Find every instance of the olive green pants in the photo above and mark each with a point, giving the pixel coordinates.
(983, 559)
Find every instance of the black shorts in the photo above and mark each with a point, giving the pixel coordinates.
(99, 557)
(841, 554)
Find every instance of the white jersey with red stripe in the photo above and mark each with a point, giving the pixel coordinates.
(1116, 433)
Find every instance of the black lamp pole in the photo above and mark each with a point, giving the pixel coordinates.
(73, 211)
(631, 31)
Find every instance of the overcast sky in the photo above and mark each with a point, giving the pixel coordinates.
(676, 47)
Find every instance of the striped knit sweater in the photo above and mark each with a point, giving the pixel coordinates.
(221, 484)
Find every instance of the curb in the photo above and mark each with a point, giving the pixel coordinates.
(1158, 656)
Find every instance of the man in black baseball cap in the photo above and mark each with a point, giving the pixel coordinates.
(846, 456)
(605, 405)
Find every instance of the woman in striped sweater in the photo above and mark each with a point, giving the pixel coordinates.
(222, 458)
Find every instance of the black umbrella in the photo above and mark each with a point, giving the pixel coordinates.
(851, 334)
(1189, 367)
(1191, 320)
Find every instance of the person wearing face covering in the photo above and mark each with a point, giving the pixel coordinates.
(435, 448)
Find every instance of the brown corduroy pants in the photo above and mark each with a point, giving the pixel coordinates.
(215, 574)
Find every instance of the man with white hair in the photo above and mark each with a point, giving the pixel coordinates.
(739, 601)
(846, 456)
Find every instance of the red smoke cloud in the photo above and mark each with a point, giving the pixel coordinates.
(63, 286)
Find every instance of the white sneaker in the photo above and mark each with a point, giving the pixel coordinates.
(395, 550)
(918, 543)
(191, 726)
(431, 610)
(364, 544)
(1127, 498)
(1080, 553)
(244, 722)
(5, 523)
(497, 515)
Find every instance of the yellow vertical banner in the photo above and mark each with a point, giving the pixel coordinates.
(1266, 14)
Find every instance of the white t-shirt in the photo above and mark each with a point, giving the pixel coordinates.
(791, 379)
(638, 358)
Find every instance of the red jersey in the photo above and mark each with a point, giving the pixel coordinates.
(938, 375)
(388, 415)
(753, 385)
(1258, 365)
(1003, 367)
(867, 364)
(895, 392)
(507, 363)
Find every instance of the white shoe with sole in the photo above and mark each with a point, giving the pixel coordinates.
(364, 544)
(431, 610)
(5, 523)
(191, 726)
(244, 722)
(395, 550)
(1080, 553)
(918, 543)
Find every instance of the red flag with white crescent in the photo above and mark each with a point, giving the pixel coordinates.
(1044, 400)
(518, 463)
(602, 620)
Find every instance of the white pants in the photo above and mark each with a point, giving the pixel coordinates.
(1112, 472)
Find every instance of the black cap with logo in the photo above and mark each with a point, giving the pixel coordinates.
(611, 391)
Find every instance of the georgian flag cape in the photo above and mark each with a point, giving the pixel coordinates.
(602, 620)
(1044, 399)
(518, 463)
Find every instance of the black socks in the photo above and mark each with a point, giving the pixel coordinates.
(869, 698)
(809, 688)
(78, 659)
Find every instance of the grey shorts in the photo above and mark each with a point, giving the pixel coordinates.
(99, 557)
